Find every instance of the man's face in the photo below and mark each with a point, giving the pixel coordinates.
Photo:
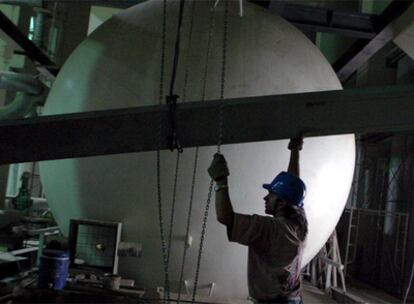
(272, 203)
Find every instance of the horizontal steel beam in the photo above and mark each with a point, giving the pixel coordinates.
(245, 120)
(317, 19)
(108, 3)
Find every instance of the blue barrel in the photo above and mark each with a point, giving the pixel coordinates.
(53, 269)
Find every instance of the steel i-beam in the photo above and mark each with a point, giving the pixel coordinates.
(389, 109)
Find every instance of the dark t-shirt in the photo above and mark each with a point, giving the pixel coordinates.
(275, 252)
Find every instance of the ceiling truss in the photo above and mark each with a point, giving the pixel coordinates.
(362, 50)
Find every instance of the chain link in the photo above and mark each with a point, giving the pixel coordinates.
(165, 251)
(174, 199)
(223, 78)
(179, 149)
(187, 232)
(190, 205)
(220, 138)
(160, 101)
(203, 234)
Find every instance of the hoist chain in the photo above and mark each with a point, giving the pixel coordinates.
(174, 141)
(172, 98)
(174, 198)
(187, 232)
(223, 78)
(220, 137)
(160, 100)
(203, 233)
(190, 205)
(173, 137)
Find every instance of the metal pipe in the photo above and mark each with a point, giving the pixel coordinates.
(51, 230)
(30, 93)
(20, 82)
(35, 199)
(22, 105)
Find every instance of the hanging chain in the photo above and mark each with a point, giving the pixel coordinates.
(160, 100)
(175, 141)
(220, 139)
(203, 233)
(172, 98)
(187, 232)
(175, 137)
(223, 79)
(190, 205)
(174, 198)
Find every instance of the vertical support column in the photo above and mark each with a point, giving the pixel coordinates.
(74, 21)
(409, 253)
(4, 172)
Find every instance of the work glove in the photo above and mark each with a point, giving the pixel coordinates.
(296, 143)
(218, 168)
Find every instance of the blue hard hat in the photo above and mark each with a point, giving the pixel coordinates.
(288, 187)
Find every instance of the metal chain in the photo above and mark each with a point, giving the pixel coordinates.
(187, 232)
(172, 98)
(179, 151)
(190, 205)
(223, 79)
(220, 137)
(203, 233)
(160, 100)
(190, 38)
(174, 198)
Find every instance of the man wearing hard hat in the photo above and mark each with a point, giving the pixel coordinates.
(275, 242)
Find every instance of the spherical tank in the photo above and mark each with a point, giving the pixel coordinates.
(118, 66)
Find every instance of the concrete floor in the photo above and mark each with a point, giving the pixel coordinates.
(370, 294)
(312, 295)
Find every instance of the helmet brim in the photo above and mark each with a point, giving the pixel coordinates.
(266, 186)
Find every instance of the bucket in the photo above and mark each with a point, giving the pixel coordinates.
(53, 269)
(112, 281)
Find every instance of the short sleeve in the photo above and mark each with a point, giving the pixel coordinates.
(250, 230)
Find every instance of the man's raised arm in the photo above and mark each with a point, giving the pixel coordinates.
(295, 145)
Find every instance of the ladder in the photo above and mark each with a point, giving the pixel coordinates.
(352, 237)
(331, 263)
(352, 234)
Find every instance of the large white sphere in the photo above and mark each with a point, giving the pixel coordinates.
(119, 66)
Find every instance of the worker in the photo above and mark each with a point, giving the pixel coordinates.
(275, 242)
